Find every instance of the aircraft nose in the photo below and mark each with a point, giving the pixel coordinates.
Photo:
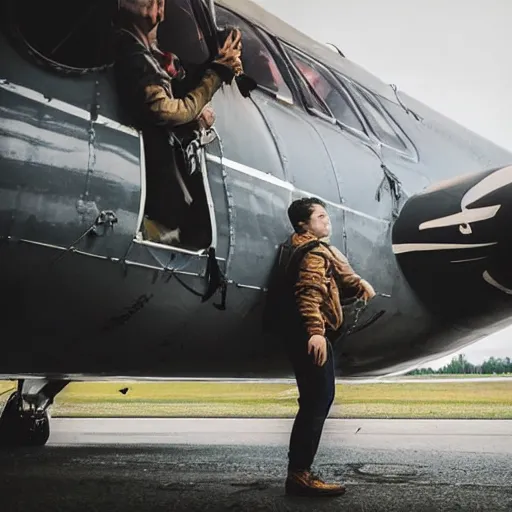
(454, 245)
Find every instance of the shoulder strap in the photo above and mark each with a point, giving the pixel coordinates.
(296, 256)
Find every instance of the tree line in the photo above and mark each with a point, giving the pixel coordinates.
(460, 365)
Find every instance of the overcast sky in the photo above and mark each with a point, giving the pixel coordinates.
(453, 55)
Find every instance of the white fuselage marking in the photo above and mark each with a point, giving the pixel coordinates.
(489, 279)
(403, 248)
(498, 179)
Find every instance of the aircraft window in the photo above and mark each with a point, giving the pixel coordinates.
(181, 34)
(258, 62)
(379, 124)
(327, 91)
(64, 33)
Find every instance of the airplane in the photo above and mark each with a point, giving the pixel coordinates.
(419, 204)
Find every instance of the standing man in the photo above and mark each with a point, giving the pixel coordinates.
(322, 278)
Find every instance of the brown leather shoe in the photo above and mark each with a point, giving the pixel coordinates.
(305, 483)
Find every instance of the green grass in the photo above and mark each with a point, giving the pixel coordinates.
(456, 376)
(214, 399)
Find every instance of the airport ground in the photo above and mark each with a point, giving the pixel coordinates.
(133, 465)
(129, 446)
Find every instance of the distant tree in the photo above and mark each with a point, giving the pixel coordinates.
(421, 371)
(460, 365)
(489, 365)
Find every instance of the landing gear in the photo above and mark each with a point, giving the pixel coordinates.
(25, 420)
(19, 428)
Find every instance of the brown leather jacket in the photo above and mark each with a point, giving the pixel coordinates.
(148, 103)
(317, 292)
(145, 88)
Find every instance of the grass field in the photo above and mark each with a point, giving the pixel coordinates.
(216, 399)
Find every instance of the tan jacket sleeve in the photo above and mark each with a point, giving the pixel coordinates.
(310, 292)
(178, 111)
(348, 277)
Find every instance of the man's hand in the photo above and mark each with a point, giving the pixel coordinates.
(207, 117)
(318, 346)
(368, 291)
(230, 53)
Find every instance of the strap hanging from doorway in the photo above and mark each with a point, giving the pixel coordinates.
(215, 278)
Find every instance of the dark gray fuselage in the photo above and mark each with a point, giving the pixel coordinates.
(106, 304)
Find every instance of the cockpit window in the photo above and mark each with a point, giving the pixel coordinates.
(76, 35)
(380, 125)
(258, 62)
(328, 91)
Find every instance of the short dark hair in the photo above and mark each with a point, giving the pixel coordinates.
(301, 209)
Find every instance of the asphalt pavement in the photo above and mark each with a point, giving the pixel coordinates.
(239, 464)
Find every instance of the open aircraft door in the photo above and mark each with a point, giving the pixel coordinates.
(188, 31)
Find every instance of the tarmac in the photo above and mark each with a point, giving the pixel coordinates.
(240, 465)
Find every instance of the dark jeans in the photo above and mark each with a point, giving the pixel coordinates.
(316, 394)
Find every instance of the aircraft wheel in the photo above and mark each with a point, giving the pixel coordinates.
(19, 428)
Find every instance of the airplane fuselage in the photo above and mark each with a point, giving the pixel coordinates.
(84, 295)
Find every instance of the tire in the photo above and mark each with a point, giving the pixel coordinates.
(22, 429)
